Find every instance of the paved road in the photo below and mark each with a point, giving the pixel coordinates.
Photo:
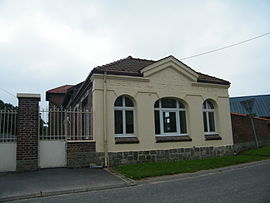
(249, 183)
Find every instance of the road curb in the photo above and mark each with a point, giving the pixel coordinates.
(122, 177)
(63, 192)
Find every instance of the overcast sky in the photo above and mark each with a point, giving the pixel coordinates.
(45, 44)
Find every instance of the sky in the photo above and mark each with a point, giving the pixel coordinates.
(46, 44)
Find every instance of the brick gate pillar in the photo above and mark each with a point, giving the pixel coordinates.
(27, 132)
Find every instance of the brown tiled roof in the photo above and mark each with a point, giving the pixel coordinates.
(128, 64)
(58, 90)
(132, 66)
(211, 79)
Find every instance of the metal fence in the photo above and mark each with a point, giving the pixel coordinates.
(69, 124)
(8, 125)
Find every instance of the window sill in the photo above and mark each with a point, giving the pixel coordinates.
(126, 140)
(80, 140)
(212, 137)
(185, 138)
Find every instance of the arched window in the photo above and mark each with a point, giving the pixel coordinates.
(209, 117)
(124, 117)
(170, 117)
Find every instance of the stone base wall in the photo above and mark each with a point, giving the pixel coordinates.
(80, 155)
(122, 158)
(27, 165)
(83, 154)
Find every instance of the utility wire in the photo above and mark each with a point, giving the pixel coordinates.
(8, 92)
(226, 47)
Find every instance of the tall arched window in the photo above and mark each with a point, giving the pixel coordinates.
(170, 117)
(124, 117)
(209, 117)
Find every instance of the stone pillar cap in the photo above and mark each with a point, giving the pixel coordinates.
(28, 95)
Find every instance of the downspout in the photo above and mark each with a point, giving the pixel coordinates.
(106, 154)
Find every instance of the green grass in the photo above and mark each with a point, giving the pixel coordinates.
(139, 171)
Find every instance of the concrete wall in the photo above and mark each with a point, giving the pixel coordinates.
(8, 157)
(170, 80)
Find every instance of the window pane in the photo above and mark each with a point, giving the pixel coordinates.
(211, 121)
(183, 122)
(181, 106)
(118, 122)
(169, 122)
(118, 102)
(156, 104)
(204, 105)
(128, 101)
(168, 103)
(129, 122)
(157, 123)
(205, 122)
(210, 105)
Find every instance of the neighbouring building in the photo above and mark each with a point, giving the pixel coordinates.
(243, 133)
(261, 106)
(145, 110)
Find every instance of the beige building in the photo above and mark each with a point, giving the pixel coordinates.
(150, 106)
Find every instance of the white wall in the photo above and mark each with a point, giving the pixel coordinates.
(52, 154)
(8, 157)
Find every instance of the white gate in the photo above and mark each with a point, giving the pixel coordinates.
(57, 127)
(52, 153)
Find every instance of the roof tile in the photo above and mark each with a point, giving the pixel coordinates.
(132, 66)
(59, 90)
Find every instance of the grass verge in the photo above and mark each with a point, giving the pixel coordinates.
(139, 171)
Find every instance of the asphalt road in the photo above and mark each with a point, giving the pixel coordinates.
(249, 183)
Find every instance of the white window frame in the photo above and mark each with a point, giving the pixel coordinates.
(123, 109)
(208, 110)
(177, 111)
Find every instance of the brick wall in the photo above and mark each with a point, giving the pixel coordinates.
(27, 132)
(83, 154)
(243, 136)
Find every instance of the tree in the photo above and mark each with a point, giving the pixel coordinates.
(7, 121)
(7, 106)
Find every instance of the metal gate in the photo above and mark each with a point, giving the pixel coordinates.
(57, 127)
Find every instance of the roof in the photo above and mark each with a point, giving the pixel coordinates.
(71, 92)
(60, 90)
(127, 66)
(261, 106)
(132, 66)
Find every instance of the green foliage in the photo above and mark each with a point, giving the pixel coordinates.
(263, 152)
(139, 171)
(7, 106)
